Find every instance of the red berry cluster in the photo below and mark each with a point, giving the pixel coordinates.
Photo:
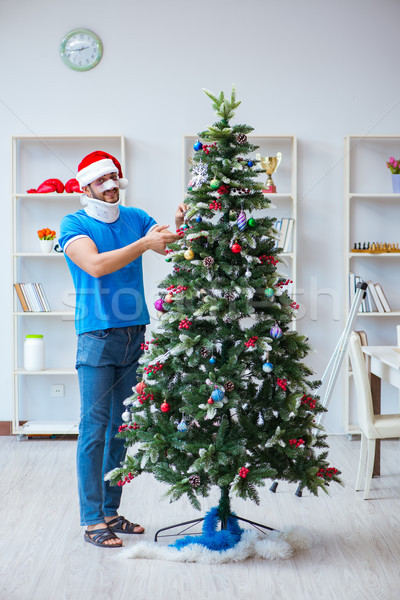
(242, 191)
(297, 443)
(145, 346)
(329, 472)
(143, 397)
(282, 383)
(185, 324)
(308, 400)
(243, 472)
(295, 305)
(127, 479)
(251, 342)
(282, 284)
(180, 231)
(153, 368)
(171, 289)
(208, 147)
(215, 205)
(223, 189)
(269, 259)
(126, 426)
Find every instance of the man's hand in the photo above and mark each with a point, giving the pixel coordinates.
(159, 237)
(180, 214)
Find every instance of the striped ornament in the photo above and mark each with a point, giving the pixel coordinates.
(241, 221)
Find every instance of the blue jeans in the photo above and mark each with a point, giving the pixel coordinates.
(106, 360)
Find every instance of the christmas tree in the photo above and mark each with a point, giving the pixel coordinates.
(225, 397)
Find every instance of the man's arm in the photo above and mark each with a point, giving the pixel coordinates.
(84, 253)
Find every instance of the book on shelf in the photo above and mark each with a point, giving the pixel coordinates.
(32, 297)
(375, 299)
(285, 228)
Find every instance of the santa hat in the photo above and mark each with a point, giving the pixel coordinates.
(95, 165)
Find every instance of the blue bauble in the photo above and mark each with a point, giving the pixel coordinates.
(268, 367)
(276, 332)
(212, 361)
(182, 427)
(269, 292)
(217, 395)
(199, 219)
(198, 146)
(250, 163)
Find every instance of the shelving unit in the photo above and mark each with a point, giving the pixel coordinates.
(283, 202)
(371, 213)
(35, 159)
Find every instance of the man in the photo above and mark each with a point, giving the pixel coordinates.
(103, 244)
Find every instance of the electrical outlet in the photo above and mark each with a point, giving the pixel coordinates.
(57, 390)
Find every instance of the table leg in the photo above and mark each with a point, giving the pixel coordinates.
(376, 403)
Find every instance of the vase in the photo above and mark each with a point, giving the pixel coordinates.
(396, 183)
(46, 246)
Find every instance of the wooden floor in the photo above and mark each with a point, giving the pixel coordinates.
(354, 544)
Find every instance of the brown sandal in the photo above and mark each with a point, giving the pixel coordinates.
(97, 537)
(122, 525)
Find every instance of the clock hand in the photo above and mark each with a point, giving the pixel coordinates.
(79, 49)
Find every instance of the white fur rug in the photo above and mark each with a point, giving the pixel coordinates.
(274, 546)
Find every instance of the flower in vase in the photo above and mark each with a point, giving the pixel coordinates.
(393, 165)
(46, 234)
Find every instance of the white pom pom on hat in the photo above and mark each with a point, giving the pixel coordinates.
(95, 165)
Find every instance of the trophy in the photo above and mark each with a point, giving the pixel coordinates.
(270, 165)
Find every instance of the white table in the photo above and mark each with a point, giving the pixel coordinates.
(385, 366)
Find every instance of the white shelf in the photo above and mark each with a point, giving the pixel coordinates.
(375, 196)
(47, 428)
(393, 313)
(379, 255)
(56, 371)
(33, 160)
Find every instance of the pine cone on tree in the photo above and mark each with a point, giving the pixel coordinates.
(229, 386)
(194, 481)
(208, 261)
(241, 138)
(204, 352)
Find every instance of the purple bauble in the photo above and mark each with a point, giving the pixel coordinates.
(276, 332)
(159, 304)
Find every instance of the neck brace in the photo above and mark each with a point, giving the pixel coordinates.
(102, 211)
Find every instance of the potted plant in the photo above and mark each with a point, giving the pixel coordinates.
(394, 166)
(46, 239)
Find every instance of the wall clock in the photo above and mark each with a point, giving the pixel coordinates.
(81, 49)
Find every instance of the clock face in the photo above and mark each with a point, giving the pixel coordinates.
(81, 49)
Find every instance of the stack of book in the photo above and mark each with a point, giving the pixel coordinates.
(32, 297)
(375, 299)
(285, 228)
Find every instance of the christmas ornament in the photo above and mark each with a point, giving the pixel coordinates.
(159, 304)
(165, 407)
(267, 367)
(217, 395)
(212, 361)
(182, 426)
(140, 387)
(276, 332)
(150, 375)
(189, 254)
(251, 222)
(198, 145)
(241, 221)
(169, 298)
(229, 386)
(199, 219)
(194, 481)
(241, 138)
(168, 259)
(269, 292)
(199, 175)
(236, 248)
(215, 183)
(210, 401)
(250, 163)
(204, 352)
(208, 261)
(126, 415)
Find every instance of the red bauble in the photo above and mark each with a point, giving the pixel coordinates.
(140, 387)
(236, 248)
(169, 298)
(210, 401)
(165, 407)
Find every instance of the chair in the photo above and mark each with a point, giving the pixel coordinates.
(372, 426)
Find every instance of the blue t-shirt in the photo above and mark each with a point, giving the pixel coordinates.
(117, 299)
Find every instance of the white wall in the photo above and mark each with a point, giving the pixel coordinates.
(315, 69)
